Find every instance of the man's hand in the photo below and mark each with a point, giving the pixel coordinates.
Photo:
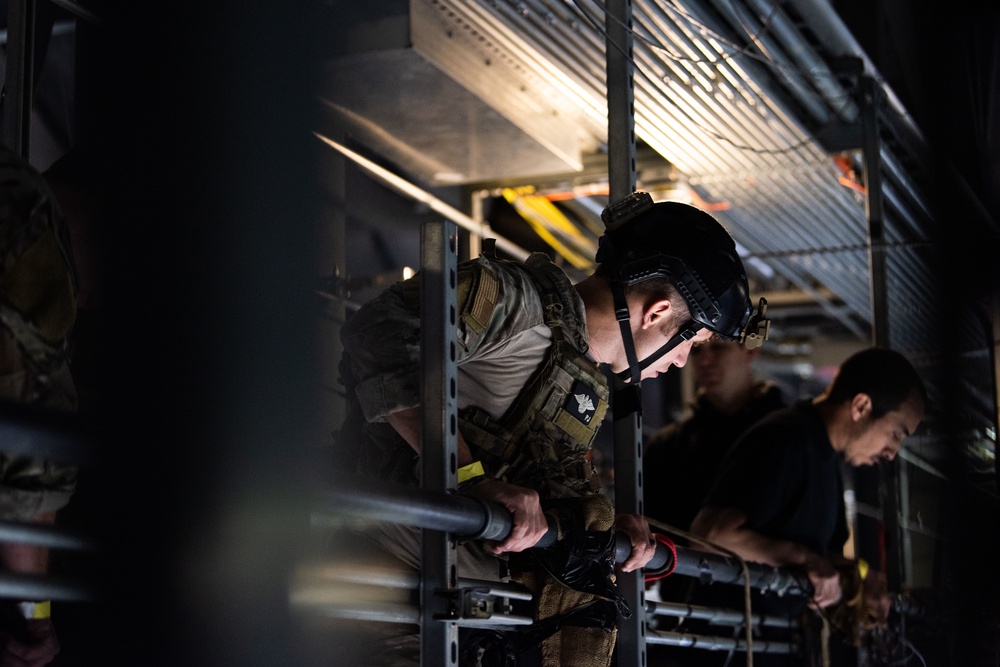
(643, 544)
(825, 581)
(529, 524)
(39, 651)
(877, 601)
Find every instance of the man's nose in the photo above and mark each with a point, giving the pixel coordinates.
(681, 359)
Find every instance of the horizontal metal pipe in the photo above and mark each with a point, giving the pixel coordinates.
(462, 515)
(716, 568)
(410, 190)
(40, 535)
(410, 614)
(718, 643)
(41, 587)
(381, 613)
(410, 579)
(471, 517)
(413, 506)
(717, 615)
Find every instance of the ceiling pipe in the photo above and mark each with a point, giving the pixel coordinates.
(407, 189)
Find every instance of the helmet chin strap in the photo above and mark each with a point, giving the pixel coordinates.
(633, 373)
(687, 331)
(635, 368)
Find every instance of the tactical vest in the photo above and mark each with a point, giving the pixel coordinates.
(544, 439)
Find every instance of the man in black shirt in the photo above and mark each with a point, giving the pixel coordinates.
(779, 498)
(682, 459)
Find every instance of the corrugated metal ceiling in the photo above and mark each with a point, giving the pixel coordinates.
(755, 104)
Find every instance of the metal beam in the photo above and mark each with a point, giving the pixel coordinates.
(407, 189)
(18, 88)
(439, 439)
(42, 535)
(354, 497)
(718, 643)
(626, 399)
(897, 542)
(717, 615)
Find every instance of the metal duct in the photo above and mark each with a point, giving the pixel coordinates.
(745, 98)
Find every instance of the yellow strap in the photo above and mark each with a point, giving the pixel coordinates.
(41, 609)
(863, 568)
(474, 469)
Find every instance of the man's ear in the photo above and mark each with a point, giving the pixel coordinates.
(654, 312)
(861, 407)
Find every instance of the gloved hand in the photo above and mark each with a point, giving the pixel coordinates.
(583, 558)
(37, 647)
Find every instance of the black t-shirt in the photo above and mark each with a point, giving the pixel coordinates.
(785, 476)
(682, 460)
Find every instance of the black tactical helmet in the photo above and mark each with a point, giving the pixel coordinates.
(694, 252)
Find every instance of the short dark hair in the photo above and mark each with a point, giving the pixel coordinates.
(885, 375)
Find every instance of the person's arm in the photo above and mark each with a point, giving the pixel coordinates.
(40, 645)
(529, 524)
(27, 558)
(727, 527)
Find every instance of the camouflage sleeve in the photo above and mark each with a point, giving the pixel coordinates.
(382, 339)
(382, 345)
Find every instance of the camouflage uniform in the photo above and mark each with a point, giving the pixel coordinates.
(37, 310)
(530, 401)
(530, 404)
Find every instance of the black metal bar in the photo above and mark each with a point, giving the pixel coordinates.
(79, 11)
(628, 500)
(871, 148)
(627, 430)
(621, 98)
(471, 517)
(41, 535)
(716, 568)
(439, 606)
(897, 545)
(718, 643)
(18, 91)
(717, 615)
(42, 587)
(412, 506)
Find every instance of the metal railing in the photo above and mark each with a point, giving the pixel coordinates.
(352, 499)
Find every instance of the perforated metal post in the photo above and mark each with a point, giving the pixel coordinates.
(897, 542)
(439, 578)
(626, 399)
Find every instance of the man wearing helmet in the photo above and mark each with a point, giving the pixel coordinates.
(532, 395)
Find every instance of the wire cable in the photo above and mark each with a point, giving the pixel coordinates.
(656, 86)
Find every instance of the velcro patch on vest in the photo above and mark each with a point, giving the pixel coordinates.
(582, 403)
(481, 309)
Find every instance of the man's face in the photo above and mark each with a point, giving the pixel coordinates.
(676, 357)
(720, 366)
(882, 438)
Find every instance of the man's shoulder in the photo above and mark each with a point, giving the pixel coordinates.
(780, 429)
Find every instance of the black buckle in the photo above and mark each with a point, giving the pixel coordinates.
(617, 214)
